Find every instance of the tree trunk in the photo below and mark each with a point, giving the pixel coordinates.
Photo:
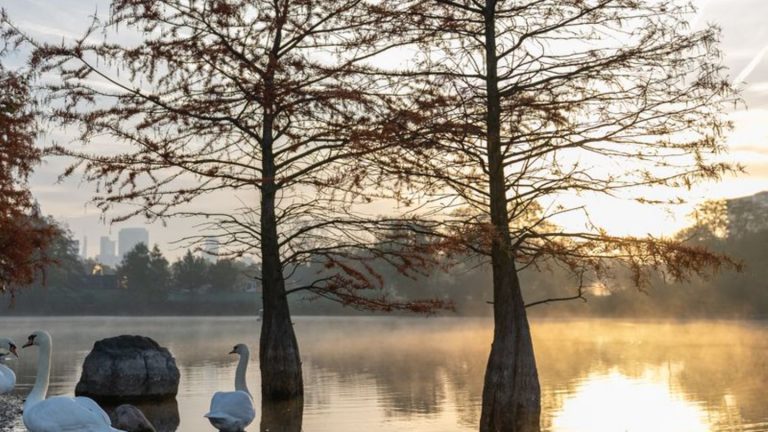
(511, 393)
(283, 416)
(278, 350)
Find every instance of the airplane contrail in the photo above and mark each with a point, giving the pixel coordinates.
(741, 77)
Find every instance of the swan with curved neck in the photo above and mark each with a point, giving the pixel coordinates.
(242, 367)
(7, 376)
(234, 411)
(58, 413)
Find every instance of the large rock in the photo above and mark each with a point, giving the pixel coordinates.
(128, 368)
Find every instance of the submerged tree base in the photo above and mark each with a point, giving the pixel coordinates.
(282, 416)
(511, 392)
(511, 396)
(279, 357)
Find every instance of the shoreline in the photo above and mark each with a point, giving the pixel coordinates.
(10, 413)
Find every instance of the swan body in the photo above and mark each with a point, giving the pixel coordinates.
(233, 411)
(60, 413)
(7, 379)
(63, 413)
(7, 376)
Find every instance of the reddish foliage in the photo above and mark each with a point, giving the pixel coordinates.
(23, 234)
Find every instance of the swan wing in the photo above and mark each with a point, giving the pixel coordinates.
(7, 379)
(91, 405)
(66, 414)
(231, 410)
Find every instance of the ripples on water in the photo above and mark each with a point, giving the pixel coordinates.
(425, 375)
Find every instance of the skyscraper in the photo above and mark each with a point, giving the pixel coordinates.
(128, 238)
(84, 252)
(107, 251)
(211, 249)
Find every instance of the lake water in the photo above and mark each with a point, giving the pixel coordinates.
(425, 374)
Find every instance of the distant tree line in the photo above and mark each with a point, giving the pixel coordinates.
(149, 275)
(145, 282)
(148, 271)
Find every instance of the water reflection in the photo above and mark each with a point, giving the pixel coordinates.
(164, 415)
(425, 375)
(613, 402)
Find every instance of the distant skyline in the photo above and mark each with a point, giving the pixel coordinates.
(107, 251)
(745, 51)
(110, 251)
(129, 238)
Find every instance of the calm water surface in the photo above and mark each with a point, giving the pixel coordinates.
(425, 375)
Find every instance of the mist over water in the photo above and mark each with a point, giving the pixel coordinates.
(418, 374)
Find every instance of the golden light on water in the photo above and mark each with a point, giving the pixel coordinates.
(426, 375)
(613, 402)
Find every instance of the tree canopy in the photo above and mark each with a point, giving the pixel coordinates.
(269, 104)
(591, 98)
(514, 108)
(24, 233)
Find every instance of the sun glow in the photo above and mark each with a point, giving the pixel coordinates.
(613, 402)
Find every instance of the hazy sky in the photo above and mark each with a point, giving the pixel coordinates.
(744, 44)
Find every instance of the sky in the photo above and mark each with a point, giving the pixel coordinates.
(745, 49)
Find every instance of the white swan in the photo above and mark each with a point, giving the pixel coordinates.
(7, 377)
(60, 413)
(233, 411)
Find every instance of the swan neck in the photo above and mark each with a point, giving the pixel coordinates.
(40, 389)
(242, 367)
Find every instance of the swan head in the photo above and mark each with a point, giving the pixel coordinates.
(7, 346)
(239, 349)
(37, 338)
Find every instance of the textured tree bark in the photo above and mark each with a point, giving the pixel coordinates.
(511, 393)
(283, 416)
(279, 357)
(278, 350)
